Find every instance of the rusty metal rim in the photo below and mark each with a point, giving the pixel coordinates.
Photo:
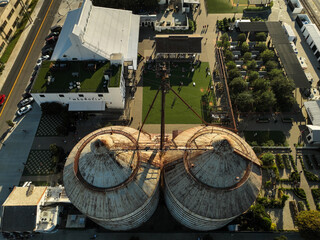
(101, 189)
(187, 164)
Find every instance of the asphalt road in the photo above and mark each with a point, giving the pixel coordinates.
(10, 108)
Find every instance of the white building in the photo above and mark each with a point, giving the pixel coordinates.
(312, 36)
(295, 6)
(97, 33)
(288, 30)
(32, 209)
(84, 86)
(313, 110)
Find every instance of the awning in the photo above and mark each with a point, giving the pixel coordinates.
(87, 106)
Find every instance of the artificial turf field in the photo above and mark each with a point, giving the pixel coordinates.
(225, 6)
(176, 111)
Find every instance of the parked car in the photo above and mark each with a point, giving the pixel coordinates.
(52, 40)
(39, 62)
(24, 110)
(26, 95)
(51, 35)
(2, 98)
(25, 102)
(45, 57)
(56, 28)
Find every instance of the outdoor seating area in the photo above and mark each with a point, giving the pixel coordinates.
(76, 76)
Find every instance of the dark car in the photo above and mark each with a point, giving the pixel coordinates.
(2, 98)
(51, 40)
(52, 35)
(56, 28)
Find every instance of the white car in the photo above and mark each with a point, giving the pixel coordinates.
(39, 61)
(25, 102)
(45, 57)
(24, 110)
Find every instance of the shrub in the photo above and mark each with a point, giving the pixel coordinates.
(294, 177)
(316, 194)
(10, 123)
(279, 161)
(309, 221)
(300, 193)
(268, 159)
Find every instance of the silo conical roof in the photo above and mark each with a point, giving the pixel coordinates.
(217, 179)
(108, 180)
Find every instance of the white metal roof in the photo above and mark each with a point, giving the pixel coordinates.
(103, 31)
(315, 132)
(288, 29)
(314, 34)
(87, 106)
(313, 110)
(64, 42)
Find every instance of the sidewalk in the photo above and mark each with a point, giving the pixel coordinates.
(19, 44)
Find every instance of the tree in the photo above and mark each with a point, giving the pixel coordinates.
(251, 65)
(283, 89)
(233, 73)
(244, 47)
(261, 36)
(242, 37)
(244, 101)
(267, 55)
(260, 84)
(224, 37)
(247, 56)
(270, 65)
(231, 65)
(268, 159)
(228, 55)
(261, 46)
(226, 45)
(309, 222)
(265, 101)
(238, 85)
(253, 75)
(274, 73)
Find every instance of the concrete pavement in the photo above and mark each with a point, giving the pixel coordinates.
(14, 151)
(88, 233)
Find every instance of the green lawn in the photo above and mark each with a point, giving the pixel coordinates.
(262, 137)
(91, 81)
(176, 111)
(224, 6)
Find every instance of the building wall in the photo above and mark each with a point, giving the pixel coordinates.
(11, 14)
(113, 99)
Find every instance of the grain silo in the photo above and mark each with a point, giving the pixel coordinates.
(108, 180)
(216, 179)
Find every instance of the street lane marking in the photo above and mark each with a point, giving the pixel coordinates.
(25, 60)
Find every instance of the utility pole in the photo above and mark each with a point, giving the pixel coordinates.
(163, 101)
